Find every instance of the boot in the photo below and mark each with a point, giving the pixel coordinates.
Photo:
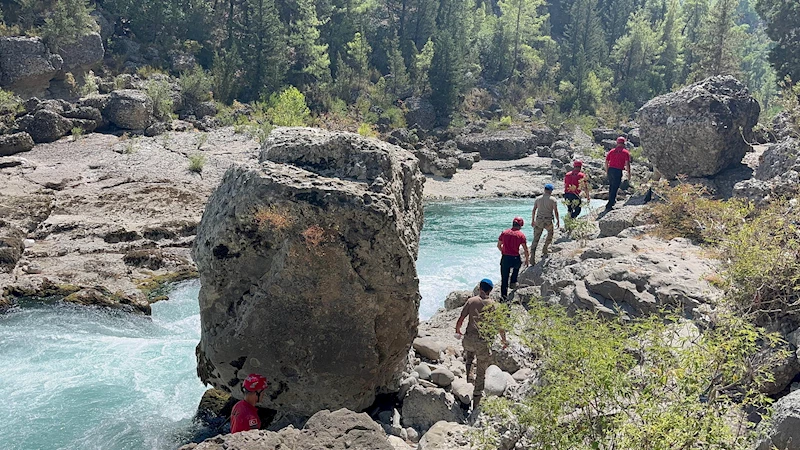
(469, 374)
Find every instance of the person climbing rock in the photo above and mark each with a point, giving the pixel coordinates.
(617, 159)
(244, 415)
(575, 181)
(475, 346)
(545, 209)
(509, 243)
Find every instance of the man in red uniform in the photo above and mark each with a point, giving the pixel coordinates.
(508, 243)
(574, 182)
(244, 415)
(617, 159)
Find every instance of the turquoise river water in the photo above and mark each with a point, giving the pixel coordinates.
(78, 378)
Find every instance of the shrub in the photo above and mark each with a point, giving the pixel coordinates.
(196, 163)
(288, 109)
(77, 133)
(505, 122)
(641, 385)
(366, 130)
(90, 85)
(160, 92)
(9, 103)
(69, 21)
(201, 139)
(196, 87)
(148, 71)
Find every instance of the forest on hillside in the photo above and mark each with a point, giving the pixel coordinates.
(596, 57)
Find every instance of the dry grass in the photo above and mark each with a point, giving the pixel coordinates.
(314, 236)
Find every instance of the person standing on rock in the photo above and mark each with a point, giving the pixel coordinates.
(509, 243)
(545, 209)
(475, 347)
(244, 415)
(574, 182)
(617, 159)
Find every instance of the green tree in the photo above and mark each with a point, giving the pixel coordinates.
(615, 18)
(783, 26)
(446, 73)
(670, 60)
(581, 50)
(693, 16)
(721, 41)
(635, 55)
(310, 64)
(353, 74)
(521, 22)
(70, 20)
(399, 82)
(262, 40)
(421, 67)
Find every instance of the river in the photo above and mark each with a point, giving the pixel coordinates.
(80, 378)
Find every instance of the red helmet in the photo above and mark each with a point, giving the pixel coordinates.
(578, 163)
(620, 140)
(254, 383)
(518, 222)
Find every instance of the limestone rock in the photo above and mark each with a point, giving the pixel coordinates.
(26, 66)
(11, 144)
(462, 390)
(699, 130)
(442, 377)
(423, 407)
(457, 299)
(497, 381)
(308, 275)
(47, 126)
(428, 348)
(419, 113)
(623, 276)
(783, 428)
(424, 371)
(338, 430)
(129, 109)
(398, 443)
(446, 436)
(508, 144)
(85, 52)
(613, 222)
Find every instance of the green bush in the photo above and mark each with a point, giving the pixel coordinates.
(288, 109)
(641, 385)
(9, 103)
(160, 92)
(90, 85)
(366, 130)
(196, 163)
(196, 87)
(505, 122)
(77, 133)
(69, 21)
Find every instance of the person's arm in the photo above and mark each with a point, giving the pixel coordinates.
(533, 214)
(464, 314)
(605, 163)
(500, 245)
(555, 211)
(527, 255)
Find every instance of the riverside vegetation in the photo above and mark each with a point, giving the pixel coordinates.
(660, 382)
(355, 62)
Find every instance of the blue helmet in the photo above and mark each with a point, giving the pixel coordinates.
(488, 282)
(548, 187)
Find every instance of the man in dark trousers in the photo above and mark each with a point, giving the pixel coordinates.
(617, 159)
(574, 183)
(508, 243)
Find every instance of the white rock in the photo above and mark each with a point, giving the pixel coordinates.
(462, 390)
(522, 374)
(412, 434)
(398, 443)
(28, 243)
(424, 371)
(428, 347)
(497, 381)
(442, 377)
(446, 436)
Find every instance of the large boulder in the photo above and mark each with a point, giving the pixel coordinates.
(424, 406)
(513, 143)
(446, 436)
(129, 109)
(777, 174)
(699, 130)
(782, 430)
(307, 267)
(47, 126)
(26, 66)
(626, 277)
(613, 222)
(338, 430)
(15, 143)
(420, 113)
(82, 54)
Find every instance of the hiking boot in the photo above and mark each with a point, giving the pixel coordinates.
(513, 285)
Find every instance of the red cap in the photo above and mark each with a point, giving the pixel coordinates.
(578, 163)
(620, 140)
(518, 222)
(254, 383)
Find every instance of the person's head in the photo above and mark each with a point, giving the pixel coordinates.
(548, 189)
(577, 165)
(620, 141)
(486, 286)
(253, 387)
(517, 223)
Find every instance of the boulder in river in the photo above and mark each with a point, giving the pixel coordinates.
(307, 267)
(699, 130)
(513, 143)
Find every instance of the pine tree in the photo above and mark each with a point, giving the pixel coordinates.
(421, 68)
(721, 41)
(450, 49)
(520, 21)
(311, 63)
(399, 82)
(670, 60)
(70, 20)
(583, 45)
(261, 40)
(635, 55)
(782, 18)
(693, 14)
(615, 18)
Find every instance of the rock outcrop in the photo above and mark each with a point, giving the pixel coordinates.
(11, 144)
(628, 277)
(446, 436)
(508, 144)
(783, 428)
(129, 109)
(26, 65)
(420, 113)
(307, 266)
(699, 130)
(85, 52)
(777, 174)
(337, 430)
